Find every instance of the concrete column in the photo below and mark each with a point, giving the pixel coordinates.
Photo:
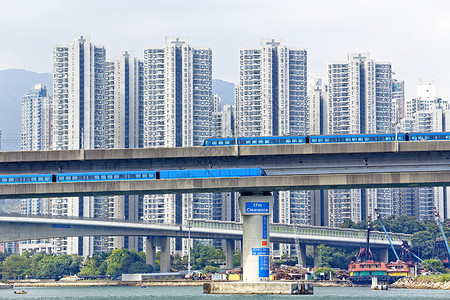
(255, 210)
(150, 252)
(384, 255)
(164, 262)
(302, 256)
(229, 247)
(315, 256)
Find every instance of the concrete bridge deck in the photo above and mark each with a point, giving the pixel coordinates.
(17, 228)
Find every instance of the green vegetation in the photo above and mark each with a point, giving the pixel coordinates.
(42, 265)
(424, 233)
(435, 278)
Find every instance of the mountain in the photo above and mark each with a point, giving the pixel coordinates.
(225, 90)
(14, 84)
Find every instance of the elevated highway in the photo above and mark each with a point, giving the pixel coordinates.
(289, 167)
(18, 228)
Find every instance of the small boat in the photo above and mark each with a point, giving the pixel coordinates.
(20, 292)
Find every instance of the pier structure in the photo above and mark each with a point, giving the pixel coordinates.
(256, 210)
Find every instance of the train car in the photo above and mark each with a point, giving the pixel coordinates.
(28, 178)
(429, 136)
(356, 138)
(106, 176)
(211, 173)
(262, 140)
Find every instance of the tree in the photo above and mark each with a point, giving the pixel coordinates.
(122, 261)
(435, 263)
(15, 266)
(423, 244)
(206, 255)
(211, 269)
(324, 255)
(236, 258)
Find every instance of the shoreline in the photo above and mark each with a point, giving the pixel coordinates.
(415, 283)
(404, 283)
(90, 283)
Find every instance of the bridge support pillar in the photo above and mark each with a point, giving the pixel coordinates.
(302, 255)
(255, 210)
(164, 261)
(315, 256)
(384, 255)
(229, 247)
(150, 252)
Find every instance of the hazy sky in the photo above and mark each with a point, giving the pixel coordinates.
(413, 35)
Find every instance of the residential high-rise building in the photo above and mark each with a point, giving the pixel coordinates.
(425, 113)
(359, 101)
(123, 100)
(36, 135)
(178, 105)
(271, 100)
(78, 122)
(398, 101)
(36, 119)
(317, 105)
(124, 117)
(78, 93)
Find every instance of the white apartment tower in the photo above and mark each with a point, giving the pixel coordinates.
(36, 118)
(177, 94)
(36, 135)
(359, 101)
(78, 122)
(124, 102)
(271, 96)
(123, 129)
(78, 93)
(271, 100)
(178, 106)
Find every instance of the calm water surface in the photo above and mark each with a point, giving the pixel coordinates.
(182, 293)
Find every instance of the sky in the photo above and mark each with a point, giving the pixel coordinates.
(413, 35)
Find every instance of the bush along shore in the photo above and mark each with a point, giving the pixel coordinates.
(441, 282)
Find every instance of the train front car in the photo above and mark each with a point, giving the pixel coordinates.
(211, 173)
(429, 136)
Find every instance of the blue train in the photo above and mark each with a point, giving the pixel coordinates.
(131, 175)
(322, 139)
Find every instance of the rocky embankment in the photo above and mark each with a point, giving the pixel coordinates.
(420, 283)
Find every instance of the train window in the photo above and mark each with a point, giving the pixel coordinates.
(4, 179)
(254, 141)
(213, 143)
(138, 176)
(74, 177)
(227, 143)
(144, 175)
(109, 176)
(116, 176)
(90, 177)
(266, 142)
(96, 177)
(288, 141)
(32, 179)
(327, 140)
(220, 143)
(260, 141)
(102, 176)
(40, 178)
(132, 176)
(248, 141)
